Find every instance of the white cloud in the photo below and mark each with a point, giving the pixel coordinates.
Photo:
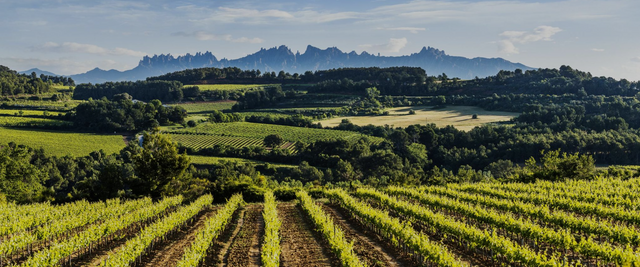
(636, 59)
(507, 47)
(410, 29)
(70, 47)
(510, 38)
(393, 46)
(597, 49)
(205, 36)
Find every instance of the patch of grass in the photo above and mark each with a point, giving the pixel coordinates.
(228, 87)
(206, 107)
(458, 116)
(44, 104)
(14, 121)
(205, 160)
(59, 143)
(28, 112)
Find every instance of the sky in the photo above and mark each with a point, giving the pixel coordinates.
(74, 36)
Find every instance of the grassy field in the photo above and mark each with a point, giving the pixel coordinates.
(28, 112)
(458, 116)
(59, 143)
(260, 131)
(66, 105)
(206, 107)
(204, 160)
(32, 122)
(228, 87)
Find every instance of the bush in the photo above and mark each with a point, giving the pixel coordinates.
(474, 116)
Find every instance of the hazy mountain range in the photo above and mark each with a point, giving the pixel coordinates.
(434, 61)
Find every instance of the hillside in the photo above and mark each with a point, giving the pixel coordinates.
(434, 61)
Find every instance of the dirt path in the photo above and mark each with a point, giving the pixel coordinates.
(221, 245)
(299, 245)
(170, 251)
(367, 245)
(245, 248)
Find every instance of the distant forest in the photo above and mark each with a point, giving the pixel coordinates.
(13, 83)
(569, 121)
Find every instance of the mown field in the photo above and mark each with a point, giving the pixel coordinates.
(205, 160)
(260, 131)
(59, 143)
(48, 105)
(458, 116)
(228, 87)
(575, 223)
(206, 107)
(17, 121)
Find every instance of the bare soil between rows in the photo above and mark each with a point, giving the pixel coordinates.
(300, 244)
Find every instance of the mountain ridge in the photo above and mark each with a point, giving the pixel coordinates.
(432, 60)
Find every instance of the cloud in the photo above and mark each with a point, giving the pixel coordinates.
(393, 46)
(510, 38)
(636, 59)
(69, 47)
(205, 36)
(410, 29)
(597, 49)
(507, 47)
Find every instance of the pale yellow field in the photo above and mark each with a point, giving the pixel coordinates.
(458, 116)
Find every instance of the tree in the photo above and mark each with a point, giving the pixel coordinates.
(273, 140)
(159, 164)
(559, 167)
(20, 181)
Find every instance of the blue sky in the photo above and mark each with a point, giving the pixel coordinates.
(74, 36)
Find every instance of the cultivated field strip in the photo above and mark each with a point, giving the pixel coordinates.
(69, 225)
(200, 141)
(99, 233)
(468, 234)
(135, 248)
(21, 221)
(583, 226)
(584, 208)
(453, 225)
(270, 255)
(198, 250)
(400, 233)
(519, 229)
(610, 192)
(334, 235)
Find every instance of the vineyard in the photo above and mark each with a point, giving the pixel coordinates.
(260, 131)
(580, 223)
(200, 141)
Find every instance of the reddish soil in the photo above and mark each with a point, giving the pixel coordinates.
(300, 244)
(369, 247)
(221, 245)
(245, 248)
(170, 251)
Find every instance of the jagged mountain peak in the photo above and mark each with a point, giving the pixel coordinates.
(432, 60)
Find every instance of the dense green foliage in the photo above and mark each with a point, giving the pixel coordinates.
(12, 83)
(140, 90)
(125, 115)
